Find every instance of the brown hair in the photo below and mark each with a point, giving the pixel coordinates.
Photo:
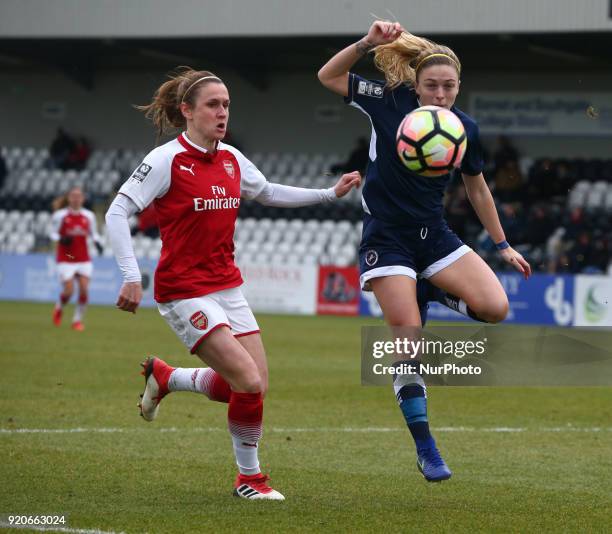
(61, 202)
(165, 108)
(401, 60)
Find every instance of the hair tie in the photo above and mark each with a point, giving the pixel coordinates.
(198, 81)
(439, 55)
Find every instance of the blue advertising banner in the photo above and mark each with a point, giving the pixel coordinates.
(34, 277)
(543, 299)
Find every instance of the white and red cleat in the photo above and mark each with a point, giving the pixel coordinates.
(57, 316)
(255, 487)
(78, 326)
(157, 373)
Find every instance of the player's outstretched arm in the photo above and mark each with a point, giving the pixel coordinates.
(334, 74)
(285, 196)
(481, 199)
(118, 229)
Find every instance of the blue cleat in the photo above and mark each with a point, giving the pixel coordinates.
(432, 466)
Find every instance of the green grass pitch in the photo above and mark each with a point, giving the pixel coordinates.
(339, 452)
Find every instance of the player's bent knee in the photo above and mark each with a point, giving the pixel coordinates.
(402, 322)
(500, 311)
(494, 311)
(249, 383)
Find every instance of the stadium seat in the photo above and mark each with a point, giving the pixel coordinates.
(594, 199)
(296, 224)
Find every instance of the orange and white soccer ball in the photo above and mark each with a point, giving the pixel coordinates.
(431, 141)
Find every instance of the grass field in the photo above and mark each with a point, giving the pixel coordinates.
(338, 451)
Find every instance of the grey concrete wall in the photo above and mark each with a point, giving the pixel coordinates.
(206, 18)
(285, 118)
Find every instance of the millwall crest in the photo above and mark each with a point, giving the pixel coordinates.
(199, 320)
(371, 257)
(229, 168)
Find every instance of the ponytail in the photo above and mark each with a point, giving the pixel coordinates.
(182, 86)
(60, 202)
(401, 60)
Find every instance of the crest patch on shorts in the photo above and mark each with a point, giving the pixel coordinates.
(371, 257)
(199, 320)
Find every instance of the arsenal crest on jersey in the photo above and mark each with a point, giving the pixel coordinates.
(199, 320)
(229, 167)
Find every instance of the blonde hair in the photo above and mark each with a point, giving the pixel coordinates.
(401, 60)
(183, 86)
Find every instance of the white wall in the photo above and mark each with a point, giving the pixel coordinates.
(185, 18)
(280, 119)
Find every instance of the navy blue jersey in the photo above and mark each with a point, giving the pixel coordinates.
(391, 192)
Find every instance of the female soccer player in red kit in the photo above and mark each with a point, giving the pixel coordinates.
(196, 183)
(71, 224)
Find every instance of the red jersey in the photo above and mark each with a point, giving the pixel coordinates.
(196, 194)
(77, 225)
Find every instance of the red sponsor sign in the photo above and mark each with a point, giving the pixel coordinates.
(199, 320)
(338, 291)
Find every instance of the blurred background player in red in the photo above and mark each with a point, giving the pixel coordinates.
(196, 183)
(71, 224)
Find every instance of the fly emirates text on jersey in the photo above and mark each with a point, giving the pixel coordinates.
(218, 202)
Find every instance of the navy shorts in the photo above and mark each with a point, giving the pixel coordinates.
(388, 249)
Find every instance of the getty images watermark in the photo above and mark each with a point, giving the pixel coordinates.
(422, 352)
(488, 355)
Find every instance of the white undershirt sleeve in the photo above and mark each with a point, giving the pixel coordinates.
(56, 224)
(118, 230)
(285, 196)
(93, 227)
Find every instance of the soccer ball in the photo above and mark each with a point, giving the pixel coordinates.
(431, 141)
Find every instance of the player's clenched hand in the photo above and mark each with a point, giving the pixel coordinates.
(347, 182)
(382, 32)
(130, 296)
(517, 261)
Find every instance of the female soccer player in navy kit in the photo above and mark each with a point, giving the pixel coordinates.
(196, 183)
(404, 233)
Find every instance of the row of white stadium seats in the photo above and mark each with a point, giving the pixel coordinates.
(262, 258)
(15, 215)
(588, 195)
(281, 239)
(242, 225)
(295, 224)
(115, 153)
(30, 175)
(45, 182)
(27, 152)
(31, 158)
(57, 174)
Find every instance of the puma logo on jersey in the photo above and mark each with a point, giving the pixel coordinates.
(188, 169)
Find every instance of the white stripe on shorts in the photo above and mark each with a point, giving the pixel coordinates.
(379, 272)
(437, 266)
